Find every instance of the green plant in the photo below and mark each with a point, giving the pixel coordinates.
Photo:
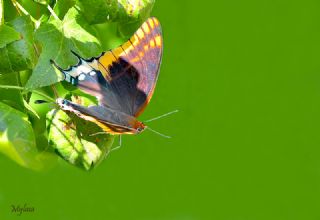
(32, 33)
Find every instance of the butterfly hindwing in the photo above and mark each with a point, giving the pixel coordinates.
(89, 80)
(108, 119)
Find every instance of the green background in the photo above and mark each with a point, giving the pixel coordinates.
(245, 76)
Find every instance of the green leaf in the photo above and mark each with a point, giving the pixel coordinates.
(10, 11)
(36, 9)
(126, 29)
(17, 140)
(58, 38)
(19, 55)
(39, 123)
(137, 8)
(61, 7)
(76, 140)
(30, 109)
(8, 35)
(9, 96)
(100, 11)
(109, 35)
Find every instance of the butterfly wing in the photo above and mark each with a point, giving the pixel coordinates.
(123, 78)
(91, 81)
(109, 120)
(133, 68)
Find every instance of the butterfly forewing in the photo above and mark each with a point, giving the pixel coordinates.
(133, 67)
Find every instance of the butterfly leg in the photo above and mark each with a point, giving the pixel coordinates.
(120, 143)
(114, 148)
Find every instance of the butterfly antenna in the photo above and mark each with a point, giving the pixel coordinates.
(156, 132)
(161, 116)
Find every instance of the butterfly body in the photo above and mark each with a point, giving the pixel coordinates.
(122, 80)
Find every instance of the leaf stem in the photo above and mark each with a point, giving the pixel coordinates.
(19, 82)
(14, 2)
(55, 91)
(19, 79)
(22, 88)
(53, 13)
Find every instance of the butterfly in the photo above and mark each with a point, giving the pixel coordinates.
(122, 79)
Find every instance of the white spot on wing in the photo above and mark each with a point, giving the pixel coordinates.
(83, 68)
(82, 77)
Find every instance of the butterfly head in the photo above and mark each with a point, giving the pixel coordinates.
(139, 127)
(66, 105)
(62, 103)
